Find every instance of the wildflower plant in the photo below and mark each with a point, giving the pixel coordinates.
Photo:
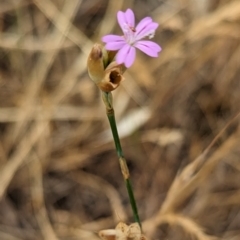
(106, 66)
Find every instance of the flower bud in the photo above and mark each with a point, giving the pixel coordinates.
(95, 63)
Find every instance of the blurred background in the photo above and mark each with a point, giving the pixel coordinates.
(177, 117)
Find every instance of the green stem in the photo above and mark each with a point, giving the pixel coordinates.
(122, 161)
(112, 122)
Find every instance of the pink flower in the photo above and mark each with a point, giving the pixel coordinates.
(126, 45)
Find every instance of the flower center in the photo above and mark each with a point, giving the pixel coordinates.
(129, 34)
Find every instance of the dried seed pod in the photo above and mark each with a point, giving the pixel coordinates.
(112, 78)
(123, 232)
(106, 76)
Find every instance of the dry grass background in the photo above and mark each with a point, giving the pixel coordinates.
(177, 115)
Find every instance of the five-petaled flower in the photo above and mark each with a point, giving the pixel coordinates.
(125, 45)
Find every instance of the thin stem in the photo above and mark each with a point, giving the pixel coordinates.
(133, 202)
(107, 98)
(112, 121)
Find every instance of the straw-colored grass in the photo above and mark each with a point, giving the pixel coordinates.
(178, 118)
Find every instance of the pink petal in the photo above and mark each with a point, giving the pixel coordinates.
(113, 42)
(147, 30)
(113, 46)
(112, 38)
(126, 19)
(150, 48)
(126, 55)
(130, 18)
(121, 20)
(142, 24)
(121, 55)
(130, 57)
